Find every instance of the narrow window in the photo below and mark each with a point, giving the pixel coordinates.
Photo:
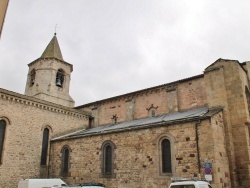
(248, 128)
(65, 161)
(248, 106)
(45, 144)
(108, 158)
(247, 98)
(152, 110)
(32, 77)
(166, 156)
(91, 121)
(2, 133)
(152, 113)
(59, 78)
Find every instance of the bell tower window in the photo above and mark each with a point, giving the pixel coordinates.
(59, 78)
(32, 77)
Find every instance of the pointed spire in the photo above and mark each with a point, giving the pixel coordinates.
(53, 50)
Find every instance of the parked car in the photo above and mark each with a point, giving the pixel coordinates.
(189, 184)
(87, 185)
(93, 185)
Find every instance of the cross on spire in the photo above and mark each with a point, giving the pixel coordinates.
(115, 117)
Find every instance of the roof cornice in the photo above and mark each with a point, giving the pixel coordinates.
(128, 95)
(52, 58)
(38, 103)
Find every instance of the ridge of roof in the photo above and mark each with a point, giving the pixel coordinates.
(225, 60)
(221, 59)
(53, 50)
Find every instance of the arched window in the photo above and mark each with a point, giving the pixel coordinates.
(248, 108)
(91, 122)
(45, 144)
(152, 110)
(2, 133)
(247, 98)
(65, 160)
(166, 152)
(152, 113)
(59, 78)
(166, 156)
(108, 160)
(32, 77)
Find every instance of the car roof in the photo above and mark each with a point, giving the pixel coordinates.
(88, 185)
(190, 181)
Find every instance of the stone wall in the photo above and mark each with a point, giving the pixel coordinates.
(137, 155)
(212, 144)
(26, 119)
(227, 86)
(181, 95)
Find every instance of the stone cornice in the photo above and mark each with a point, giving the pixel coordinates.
(50, 58)
(45, 105)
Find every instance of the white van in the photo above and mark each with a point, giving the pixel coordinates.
(41, 183)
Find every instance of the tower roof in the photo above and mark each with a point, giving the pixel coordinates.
(53, 50)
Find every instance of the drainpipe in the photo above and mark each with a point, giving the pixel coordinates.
(197, 144)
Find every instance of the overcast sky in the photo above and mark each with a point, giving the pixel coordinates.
(121, 46)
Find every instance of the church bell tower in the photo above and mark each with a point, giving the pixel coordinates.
(49, 76)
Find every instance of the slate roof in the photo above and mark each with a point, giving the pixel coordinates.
(53, 50)
(161, 120)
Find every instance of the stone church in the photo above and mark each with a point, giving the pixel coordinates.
(140, 139)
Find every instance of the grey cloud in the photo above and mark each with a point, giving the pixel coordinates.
(118, 47)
